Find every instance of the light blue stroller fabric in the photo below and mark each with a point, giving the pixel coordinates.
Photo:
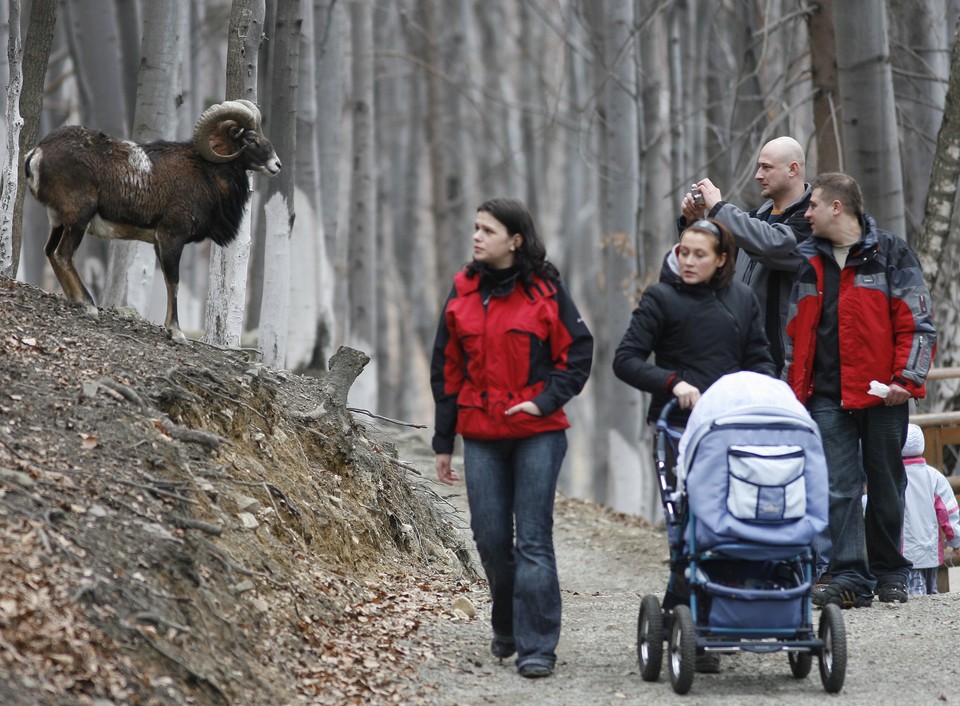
(751, 465)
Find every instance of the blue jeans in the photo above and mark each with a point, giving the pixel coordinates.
(880, 432)
(512, 482)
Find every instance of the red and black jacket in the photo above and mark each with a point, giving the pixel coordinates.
(500, 343)
(885, 326)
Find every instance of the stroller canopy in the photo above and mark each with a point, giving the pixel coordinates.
(751, 463)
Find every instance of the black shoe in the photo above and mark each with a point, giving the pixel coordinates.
(892, 593)
(840, 595)
(534, 670)
(503, 647)
(708, 663)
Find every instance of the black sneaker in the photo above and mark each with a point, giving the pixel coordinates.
(892, 593)
(534, 670)
(840, 595)
(708, 663)
(502, 646)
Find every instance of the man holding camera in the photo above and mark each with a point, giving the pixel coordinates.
(767, 237)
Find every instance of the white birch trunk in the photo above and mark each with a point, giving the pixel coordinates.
(275, 310)
(920, 51)
(227, 288)
(11, 170)
(223, 317)
(363, 255)
(36, 59)
(329, 53)
(92, 37)
(938, 248)
(307, 268)
(871, 147)
(131, 267)
(630, 470)
(274, 318)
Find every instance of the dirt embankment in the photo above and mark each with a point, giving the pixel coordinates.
(180, 525)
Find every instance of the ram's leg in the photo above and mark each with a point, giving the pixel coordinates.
(168, 253)
(60, 250)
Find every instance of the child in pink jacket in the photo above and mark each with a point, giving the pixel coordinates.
(930, 516)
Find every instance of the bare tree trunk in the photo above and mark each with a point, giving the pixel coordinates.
(456, 52)
(391, 98)
(871, 146)
(500, 161)
(362, 253)
(620, 414)
(11, 170)
(448, 251)
(919, 49)
(94, 44)
(939, 253)
(655, 170)
(826, 101)
(576, 257)
(129, 24)
(328, 55)
(284, 71)
(130, 270)
(5, 61)
(226, 292)
(36, 55)
(310, 269)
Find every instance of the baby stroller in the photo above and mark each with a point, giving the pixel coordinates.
(742, 504)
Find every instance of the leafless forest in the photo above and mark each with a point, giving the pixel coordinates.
(394, 119)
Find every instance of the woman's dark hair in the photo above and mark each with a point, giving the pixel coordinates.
(531, 257)
(725, 245)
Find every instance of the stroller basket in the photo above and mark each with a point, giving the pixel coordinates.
(751, 597)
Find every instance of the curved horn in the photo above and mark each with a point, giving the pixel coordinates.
(253, 109)
(238, 111)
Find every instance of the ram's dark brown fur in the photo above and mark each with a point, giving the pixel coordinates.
(164, 193)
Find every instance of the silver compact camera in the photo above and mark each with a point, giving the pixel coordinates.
(697, 197)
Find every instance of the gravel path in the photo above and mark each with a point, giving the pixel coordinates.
(896, 653)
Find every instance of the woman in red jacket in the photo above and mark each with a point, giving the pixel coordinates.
(511, 350)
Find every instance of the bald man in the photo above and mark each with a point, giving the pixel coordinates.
(767, 237)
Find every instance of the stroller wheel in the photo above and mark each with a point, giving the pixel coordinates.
(833, 656)
(650, 638)
(800, 664)
(683, 650)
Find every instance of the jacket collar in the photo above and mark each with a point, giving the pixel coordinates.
(767, 207)
(865, 249)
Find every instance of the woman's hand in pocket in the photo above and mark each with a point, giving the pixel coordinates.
(528, 407)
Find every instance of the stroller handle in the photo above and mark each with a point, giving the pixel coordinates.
(666, 412)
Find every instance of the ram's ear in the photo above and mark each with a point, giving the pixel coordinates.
(236, 132)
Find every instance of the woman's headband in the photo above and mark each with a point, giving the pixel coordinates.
(704, 224)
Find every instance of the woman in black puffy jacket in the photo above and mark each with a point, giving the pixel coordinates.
(696, 321)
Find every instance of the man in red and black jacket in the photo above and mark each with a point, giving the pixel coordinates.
(861, 341)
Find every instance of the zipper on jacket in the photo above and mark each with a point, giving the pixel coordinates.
(914, 362)
(726, 310)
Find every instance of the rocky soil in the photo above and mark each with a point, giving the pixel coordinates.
(180, 525)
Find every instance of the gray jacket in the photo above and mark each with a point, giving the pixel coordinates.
(767, 255)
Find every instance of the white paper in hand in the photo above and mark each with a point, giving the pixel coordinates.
(878, 389)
